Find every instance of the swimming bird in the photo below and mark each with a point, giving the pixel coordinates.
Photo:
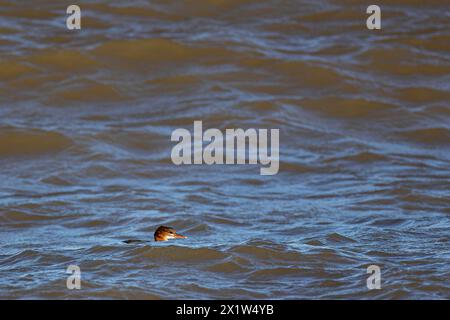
(163, 233)
(166, 233)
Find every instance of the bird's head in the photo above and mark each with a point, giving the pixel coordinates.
(166, 233)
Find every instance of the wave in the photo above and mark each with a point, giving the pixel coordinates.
(429, 136)
(146, 54)
(11, 70)
(174, 253)
(30, 142)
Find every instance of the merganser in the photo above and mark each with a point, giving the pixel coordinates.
(163, 233)
(166, 233)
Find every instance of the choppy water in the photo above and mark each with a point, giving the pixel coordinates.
(85, 124)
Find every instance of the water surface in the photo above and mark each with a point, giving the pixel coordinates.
(85, 124)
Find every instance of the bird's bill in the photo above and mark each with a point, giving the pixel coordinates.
(179, 236)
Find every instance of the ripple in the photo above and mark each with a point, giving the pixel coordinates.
(176, 254)
(338, 238)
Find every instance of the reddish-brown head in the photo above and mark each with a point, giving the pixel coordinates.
(166, 233)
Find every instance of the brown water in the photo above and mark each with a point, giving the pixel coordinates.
(85, 124)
